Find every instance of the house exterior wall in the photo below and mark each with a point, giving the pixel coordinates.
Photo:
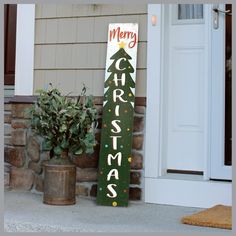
(70, 49)
(24, 154)
(71, 42)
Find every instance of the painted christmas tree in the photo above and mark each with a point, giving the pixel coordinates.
(120, 76)
(117, 127)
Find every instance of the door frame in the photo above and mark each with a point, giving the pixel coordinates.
(218, 169)
(160, 188)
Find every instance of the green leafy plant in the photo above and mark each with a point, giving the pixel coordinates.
(67, 124)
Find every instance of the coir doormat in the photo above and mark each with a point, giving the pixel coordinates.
(219, 216)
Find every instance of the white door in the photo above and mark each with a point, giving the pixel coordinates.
(220, 139)
(185, 88)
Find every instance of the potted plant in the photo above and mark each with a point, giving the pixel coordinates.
(67, 125)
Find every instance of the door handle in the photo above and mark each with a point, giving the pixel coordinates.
(227, 12)
(216, 12)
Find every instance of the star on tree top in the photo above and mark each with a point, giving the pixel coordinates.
(122, 45)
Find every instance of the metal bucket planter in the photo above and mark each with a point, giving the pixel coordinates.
(59, 184)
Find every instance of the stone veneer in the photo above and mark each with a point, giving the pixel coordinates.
(24, 155)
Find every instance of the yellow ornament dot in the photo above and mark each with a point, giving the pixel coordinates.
(109, 110)
(114, 204)
(128, 129)
(129, 159)
(130, 94)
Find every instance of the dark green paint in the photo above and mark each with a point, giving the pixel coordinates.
(124, 144)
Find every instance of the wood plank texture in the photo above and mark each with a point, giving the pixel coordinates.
(80, 56)
(70, 44)
(71, 81)
(68, 10)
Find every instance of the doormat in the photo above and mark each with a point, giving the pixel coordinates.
(219, 216)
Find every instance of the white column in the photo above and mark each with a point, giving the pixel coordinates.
(24, 71)
(152, 136)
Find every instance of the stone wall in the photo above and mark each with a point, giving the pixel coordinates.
(24, 154)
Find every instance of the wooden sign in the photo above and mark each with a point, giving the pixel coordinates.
(117, 119)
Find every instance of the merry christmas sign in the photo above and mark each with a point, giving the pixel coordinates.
(117, 121)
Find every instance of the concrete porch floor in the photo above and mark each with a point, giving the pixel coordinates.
(25, 212)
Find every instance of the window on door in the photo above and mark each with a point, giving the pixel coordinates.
(190, 11)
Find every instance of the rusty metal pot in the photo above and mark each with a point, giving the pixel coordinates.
(59, 183)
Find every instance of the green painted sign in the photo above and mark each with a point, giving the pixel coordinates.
(117, 119)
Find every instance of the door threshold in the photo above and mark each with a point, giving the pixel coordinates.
(180, 176)
(190, 177)
(194, 172)
(174, 190)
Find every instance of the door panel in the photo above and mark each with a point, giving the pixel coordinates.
(187, 83)
(185, 97)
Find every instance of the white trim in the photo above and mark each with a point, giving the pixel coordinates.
(190, 193)
(24, 71)
(152, 148)
(207, 75)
